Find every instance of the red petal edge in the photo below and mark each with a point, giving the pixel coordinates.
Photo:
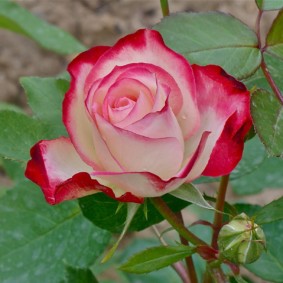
(79, 185)
(229, 147)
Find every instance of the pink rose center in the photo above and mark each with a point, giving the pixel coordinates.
(123, 103)
(129, 93)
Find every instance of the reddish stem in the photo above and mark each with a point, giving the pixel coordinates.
(189, 260)
(219, 206)
(263, 65)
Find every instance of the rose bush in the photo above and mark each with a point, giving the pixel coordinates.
(141, 122)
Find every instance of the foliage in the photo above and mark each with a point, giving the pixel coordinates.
(64, 242)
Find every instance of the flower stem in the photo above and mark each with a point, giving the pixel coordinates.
(170, 216)
(263, 65)
(165, 7)
(216, 273)
(177, 266)
(189, 260)
(219, 206)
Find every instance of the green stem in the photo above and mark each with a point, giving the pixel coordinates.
(189, 260)
(165, 7)
(216, 273)
(170, 216)
(219, 206)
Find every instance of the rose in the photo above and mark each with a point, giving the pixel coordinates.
(141, 122)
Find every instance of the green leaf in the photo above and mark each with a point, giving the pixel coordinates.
(76, 275)
(267, 114)
(19, 133)
(270, 212)
(258, 80)
(212, 38)
(14, 170)
(45, 97)
(102, 211)
(274, 40)
(37, 240)
(156, 258)
(15, 18)
(268, 175)
(190, 193)
(269, 4)
(253, 156)
(131, 211)
(10, 107)
(137, 245)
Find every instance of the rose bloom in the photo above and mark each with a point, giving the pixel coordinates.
(141, 121)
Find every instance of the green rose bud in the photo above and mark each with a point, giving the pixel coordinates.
(241, 240)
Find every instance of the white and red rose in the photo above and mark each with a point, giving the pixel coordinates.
(141, 122)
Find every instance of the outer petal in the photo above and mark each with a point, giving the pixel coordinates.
(224, 104)
(57, 168)
(75, 116)
(147, 46)
(228, 149)
(137, 153)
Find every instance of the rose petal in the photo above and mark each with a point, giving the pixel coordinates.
(224, 104)
(154, 78)
(57, 168)
(133, 90)
(75, 116)
(145, 184)
(162, 157)
(141, 108)
(143, 47)
(161, 124)
(229, 147)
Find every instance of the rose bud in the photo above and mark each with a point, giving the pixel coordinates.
(141, 122)
(241, 240)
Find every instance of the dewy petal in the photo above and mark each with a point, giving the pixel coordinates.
(162, 157)
(58, 169)
(75, 115)
(224, 104)
(147, 47)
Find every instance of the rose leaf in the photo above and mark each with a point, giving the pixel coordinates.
(267, 114)
(38, 240)
(213, 38)
(15, 18)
